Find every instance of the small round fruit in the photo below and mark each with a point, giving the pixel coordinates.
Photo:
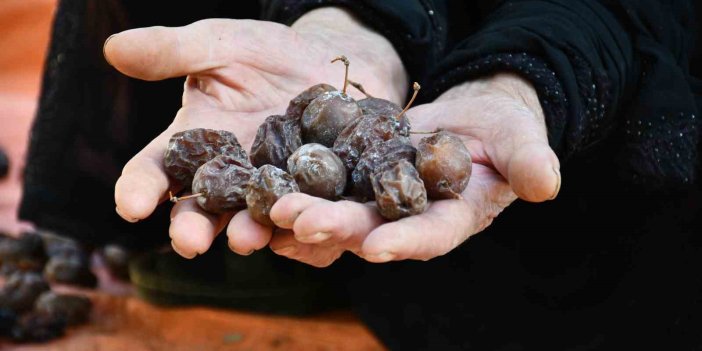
(326, 116)
(266, 186)
(276, 139)
(444, 164)
(373, 157)
(318, 171)
(298, 105)
(222, 183)
(398, 190)
(75, 309)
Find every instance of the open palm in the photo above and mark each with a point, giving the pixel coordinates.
(238, 73)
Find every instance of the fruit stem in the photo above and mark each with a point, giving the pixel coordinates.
(360, 88)
(175, 199)
(437, 130)
(346, 62)
(416, 88)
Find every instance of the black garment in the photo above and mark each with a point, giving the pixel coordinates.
(615, 261)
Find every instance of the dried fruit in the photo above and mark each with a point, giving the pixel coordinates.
(277, 138)
(21, 290)
(444, 164)
(190, 149)
(24, 254)
(318, 171)
(399, 192)
(74, 309)
(117, 259)
(38, 326)
(377, 106)
(267, 185)
(221, 183)
(298, 105)
(327, 116)
(387, 151)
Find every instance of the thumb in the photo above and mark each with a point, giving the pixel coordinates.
(156, 53)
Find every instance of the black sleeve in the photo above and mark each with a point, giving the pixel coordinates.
(605, 71)
(417, 29)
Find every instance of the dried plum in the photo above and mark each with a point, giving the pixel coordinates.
(326, 116)
(38, 326)
(267, 185)
(298, 104)
(444, 164)
(117, 259)
(21, 290)
(74, 309)
(24, 254)
(222, 183)
(190, 149)
(399, 192)
(318, 171)
(387, 151)
(277, 138)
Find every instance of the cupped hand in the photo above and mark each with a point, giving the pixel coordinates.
(500, 121)
(238, 73)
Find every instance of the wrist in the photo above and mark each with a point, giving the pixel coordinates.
(370, 52)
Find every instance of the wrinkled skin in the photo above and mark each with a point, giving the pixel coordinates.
(222, 182)
(399, 192)
(21, 290)
(392, 150)
(277, 138)
(326, 116)
(267, 185)
(298, 104)
(318, 171)
(75, 309)
(69, 262)
(190, 149)
(444, 164)
(24, 254)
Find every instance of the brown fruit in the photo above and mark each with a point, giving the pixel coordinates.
(318, 171)
(190, 149)
(222, 183)
(277, 138)
(298, 105)
(399, 192)
(267, 185)
(326, 116)
(75, 309)
(444, 164)
(387, 151)
(21, 290)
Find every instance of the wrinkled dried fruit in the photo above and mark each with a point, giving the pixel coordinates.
(267, 185)
(117, 259)
(387, 151)
(364, 132)
(298, 105)
(326, 116)
(277, 138)
(318, 171)
(444, 164)
(23, 254)
(74, 309)
(377, 106)
(69, 262)
(38, 326)
(222, 182)
(399, 192)
(21, 290)
(190, 149)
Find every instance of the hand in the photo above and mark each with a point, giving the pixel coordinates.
(502, 124)
(238, 73)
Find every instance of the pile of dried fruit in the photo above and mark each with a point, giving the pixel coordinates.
(327, 145)
(29, 310)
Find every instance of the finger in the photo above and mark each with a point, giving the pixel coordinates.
(156, 53)
(285, 211)
(284, 243)
(193, 230)
(336, 222)
(445, 224)
(246, 235)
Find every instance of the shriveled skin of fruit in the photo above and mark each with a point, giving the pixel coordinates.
(223, 182)
(391, 150)
(276, 139)
(298, 104)
(38, 327)
(326, 116)
(364, 132)
(21, 290)
(399, 192)
(445, 165)
(376, 106)
(190, 149)
(267, 185)
(318, 171)
(74, 308)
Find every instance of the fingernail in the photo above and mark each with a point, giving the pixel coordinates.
(381, 257)
(104, 46)
(175, 248)
(558, 185)
(316, 237)
(286, 251)
(128, 219)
